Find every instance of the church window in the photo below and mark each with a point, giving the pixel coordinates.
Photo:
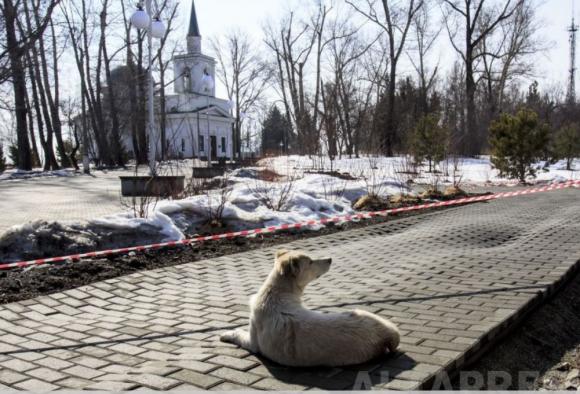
(201, 143)
(223, 144)
(183, 144)
(187, 79)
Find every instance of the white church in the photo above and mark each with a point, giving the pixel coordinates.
(198, 125)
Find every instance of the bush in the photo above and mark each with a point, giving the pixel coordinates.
(567, 144)
(429, 140)
(517, 142)
(13, 154)
(2, 160)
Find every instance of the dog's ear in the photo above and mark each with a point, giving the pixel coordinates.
(281, 253)
(288, 266)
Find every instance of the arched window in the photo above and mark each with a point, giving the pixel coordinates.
(187, 79)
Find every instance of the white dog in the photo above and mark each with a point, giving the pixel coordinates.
(283, 330)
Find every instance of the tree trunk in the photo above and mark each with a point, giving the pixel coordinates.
(24, 159)
(390, 131)
(116, 143)
(470, 136)
(162, 106)
(35, 154)
(50, 162)
(52, 110)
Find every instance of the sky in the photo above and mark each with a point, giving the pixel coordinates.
(216, 17)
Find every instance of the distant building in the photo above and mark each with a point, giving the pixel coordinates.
(198, 124)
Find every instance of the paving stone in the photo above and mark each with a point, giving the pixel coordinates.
(90, 362)
(153, 381)
(5, 348)
(197, 379)
(17, 365)
(30, 356)
(236, 363)
(272, 384)
(112, 386)
(11, 377)
(398, 384)
(46, 374)
(36, 385)
(194, 365)
(83, 372)
(227, 386)
(188, 387)
(125, 359)
(128, 348)
(236, 376)
(74, 383)
(444, 345)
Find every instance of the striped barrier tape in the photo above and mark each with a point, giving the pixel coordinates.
(282, 227)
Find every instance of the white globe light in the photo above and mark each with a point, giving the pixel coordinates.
(158, 29)
(140, 19)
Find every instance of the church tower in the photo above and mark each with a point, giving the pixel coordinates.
(191, 67)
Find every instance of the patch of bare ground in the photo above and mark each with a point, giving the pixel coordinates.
(547, 343)
(336, 174)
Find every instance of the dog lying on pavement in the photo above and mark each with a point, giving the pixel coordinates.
(283, 330)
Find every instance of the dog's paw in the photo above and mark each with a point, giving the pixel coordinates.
(228, 337)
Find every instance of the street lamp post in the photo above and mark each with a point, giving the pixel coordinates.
(208, 84)
(142, 20)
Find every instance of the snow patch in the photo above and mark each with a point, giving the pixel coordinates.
(475, 171)
(12, 175)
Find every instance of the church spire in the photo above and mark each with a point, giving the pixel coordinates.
(193, 36)
(193, 25)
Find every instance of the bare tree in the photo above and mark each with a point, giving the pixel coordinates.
(81, 33)
(506, 54)
(463, 22)
(116, 145)
(136, 88)
(425, 39)
(14, 50)
(245, 75)
(35, 94)
(52, 86)
(346, 50)
(293, 43)
(396, 22)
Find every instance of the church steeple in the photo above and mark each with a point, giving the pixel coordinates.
(193, 36)
(193, 25)
(191, 67)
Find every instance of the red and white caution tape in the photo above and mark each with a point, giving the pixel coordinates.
(282, 227)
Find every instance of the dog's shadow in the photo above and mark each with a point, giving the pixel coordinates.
(373, 374)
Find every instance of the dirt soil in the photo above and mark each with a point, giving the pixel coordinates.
(19, 284)
(340, 175)
(548, 344)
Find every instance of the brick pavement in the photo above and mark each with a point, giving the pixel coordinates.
(453, 281)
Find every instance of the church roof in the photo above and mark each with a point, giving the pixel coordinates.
(213, 110)
(193, 25)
